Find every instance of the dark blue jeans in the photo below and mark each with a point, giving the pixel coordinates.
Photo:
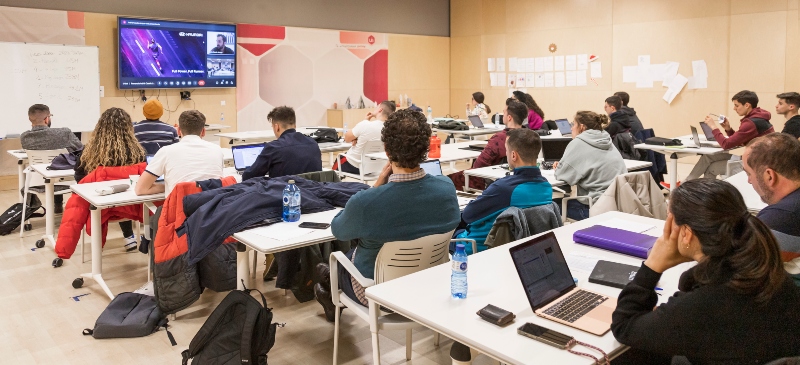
(577, 210)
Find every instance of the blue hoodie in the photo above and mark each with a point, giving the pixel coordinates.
(526, 188)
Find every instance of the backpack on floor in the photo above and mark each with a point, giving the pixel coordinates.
(129, 315)
(239, 331)
(11, 218)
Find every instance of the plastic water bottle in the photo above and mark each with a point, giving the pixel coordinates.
(497, 121)
(430, 114)
(291, 202)
(458, 279)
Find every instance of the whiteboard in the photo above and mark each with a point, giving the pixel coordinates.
(65, 78)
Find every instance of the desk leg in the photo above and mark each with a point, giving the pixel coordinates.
(466, 182)
(97, 252)
(330, 158)
(673, 176)
(21, 179)
(49, 216)
(146, 234)
(242, 266)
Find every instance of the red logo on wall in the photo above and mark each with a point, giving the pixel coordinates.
(201, 82)
(371, 40)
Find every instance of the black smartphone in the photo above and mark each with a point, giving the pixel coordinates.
(548, 336)
(313, 225)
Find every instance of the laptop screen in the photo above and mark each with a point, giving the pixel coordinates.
(476, 121)
(432, 167)
(542, 269)
(695, 136)
(707, 131)
(563, 126)
(245, 155)
(160, 178)
(553, 148)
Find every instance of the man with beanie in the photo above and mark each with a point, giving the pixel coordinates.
(151, 132)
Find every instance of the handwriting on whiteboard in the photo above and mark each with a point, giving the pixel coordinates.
(54, 73)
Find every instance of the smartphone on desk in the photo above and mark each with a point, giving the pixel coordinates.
(545, 335)
(313, 225)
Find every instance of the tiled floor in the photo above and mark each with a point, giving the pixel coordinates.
(41, 323)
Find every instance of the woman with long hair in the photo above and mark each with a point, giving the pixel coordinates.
(535, 113)
(477, 107)
(736, 306)
(112, 144)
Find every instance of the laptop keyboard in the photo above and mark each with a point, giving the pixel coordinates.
(573, 307)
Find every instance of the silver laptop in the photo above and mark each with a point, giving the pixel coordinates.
(564, 127)
(245, 155)
(551, 290)
(475, 121)
(432, 167)
(699, 143)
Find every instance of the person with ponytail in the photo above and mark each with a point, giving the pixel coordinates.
(735, 306)
(477, 107)
(535, 113)
(590, 161)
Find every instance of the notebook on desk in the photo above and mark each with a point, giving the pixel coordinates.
(617, 240)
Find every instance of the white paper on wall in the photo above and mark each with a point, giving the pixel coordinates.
(539, 64)
(501, 79)
(512, 64)
(670, 71)
(571, 78)
(521, 81)
(697, 83)
(643, 60)
(560, 79)
(597, 70)
(548, 64)
(559, 63)
(549, 79)
(539, 80)
(530, 65)
(501, 65)
(581, 77)
(657, 72)
(571, 63)
(529, 80)
(492, 79)
(491, 65)
(512, 80)
(675, 87)
(699, 69)
(583, 62)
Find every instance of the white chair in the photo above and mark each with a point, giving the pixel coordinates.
(564, 205)
(370, 167)
(394, 260)
(33, 179)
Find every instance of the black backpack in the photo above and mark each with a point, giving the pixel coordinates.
(11, 218)
(239, 332)
(129, 315)
(325, 135)
(624, 142)
(451, 124)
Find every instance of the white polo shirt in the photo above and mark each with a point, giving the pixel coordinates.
(191, 159)
(365, 131)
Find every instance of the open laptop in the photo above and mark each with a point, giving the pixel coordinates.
(244, 155)
(432, 167)
(552, 292)
(553, 148)
(707, 131)
(700, 143)
(564, 127)
(476, 121)
(160, 178)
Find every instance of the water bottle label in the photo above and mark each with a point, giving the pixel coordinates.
(285, 200)
(296, 199)
(459, 266)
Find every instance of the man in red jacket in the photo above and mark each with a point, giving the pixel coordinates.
(754, 123)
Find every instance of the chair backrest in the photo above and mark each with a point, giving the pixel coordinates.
(36, 157)
(538, 219)
(369, 165)
(635, 193)
(401, 258)
(321, 176)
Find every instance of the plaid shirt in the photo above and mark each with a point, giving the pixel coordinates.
(407, 177)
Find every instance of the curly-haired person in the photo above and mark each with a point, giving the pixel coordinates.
(404, 204)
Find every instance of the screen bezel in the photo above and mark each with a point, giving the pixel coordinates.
(119, 61)
(243, 146)
(435, 162)
(476, 121)
(567, 126)
(531, 242)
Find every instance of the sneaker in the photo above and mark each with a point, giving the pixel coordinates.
(130, 243)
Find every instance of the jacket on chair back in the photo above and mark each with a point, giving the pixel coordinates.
(76, 212)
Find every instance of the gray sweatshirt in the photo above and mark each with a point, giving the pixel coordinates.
(591, 162)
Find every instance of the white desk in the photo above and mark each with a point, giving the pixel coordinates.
(332, 148)
(96, 205)
(751, 199)
(216, 127)
(425, 298)
(22, 160)
(688, 149)
(227, 157)
(252, 241)
(263, 136)
(51, 177)
(451, 153)
(488, 129)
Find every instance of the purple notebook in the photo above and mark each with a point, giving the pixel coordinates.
(617, 240)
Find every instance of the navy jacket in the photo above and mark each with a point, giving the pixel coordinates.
(214, 215)
(526, 188)
(292, 153)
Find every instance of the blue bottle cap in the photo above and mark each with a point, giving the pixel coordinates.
(460, 245)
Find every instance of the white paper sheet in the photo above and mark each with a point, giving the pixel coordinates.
(628, 225)
(643, 78)
(571, 63)
(512, 64)
(657, 72)
(539, 64)
(529, 80)
(491, 64)
(583, 62)
(571, 78)
(549, 79)
(629, 74)
(512, 80)
(581, 262)
(501, 78)
(670, 70)
(559, 63)
(699, 69)
(581, 77)
(643, 60)
(530, 65)
(492, 79)
(597, 70)
(675, 87)
(281, 231)
(501, 65)
(697, 83)
(548, 64)
(560, 79)
(521, 81)
(539, 79)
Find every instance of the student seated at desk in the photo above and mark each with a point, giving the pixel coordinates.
(620, 120)
(590, 161)
(788, 104)
(736, 306)
(636, 124)
(771, 164)
(43, 137)
(191, 159)
(535, 117)
(113, 144)
(525, 189)
(404, 204)
(366, 131)
(477, 107)
(754, 123)
(495, 151)
(291, 153)
(152, 133)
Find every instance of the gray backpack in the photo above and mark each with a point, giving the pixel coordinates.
(129, 315)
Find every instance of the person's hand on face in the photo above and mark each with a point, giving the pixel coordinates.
(665, 253)
(370, 115)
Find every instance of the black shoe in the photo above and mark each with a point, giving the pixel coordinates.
(323, 272)
(58, 209)
(324, 298)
